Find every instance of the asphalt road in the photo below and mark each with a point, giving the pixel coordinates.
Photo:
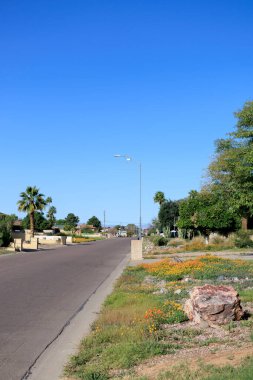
(40, 292)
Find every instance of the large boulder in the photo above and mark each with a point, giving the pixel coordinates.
(216, 305)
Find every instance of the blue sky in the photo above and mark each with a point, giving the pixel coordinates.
(83, 80)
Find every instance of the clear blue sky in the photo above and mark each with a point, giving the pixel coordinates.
(82, 80)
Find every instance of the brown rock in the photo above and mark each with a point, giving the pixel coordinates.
(214, 305)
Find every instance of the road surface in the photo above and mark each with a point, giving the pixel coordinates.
(40, 292)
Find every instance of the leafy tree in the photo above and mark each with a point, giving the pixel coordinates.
(187, 211)
(51, 216)
(156, 224)
(168, 213)
(40, 222)
(71, 222)
(232, 168)
(159, 197)
(32, 200)
(60, 222)
(131, 229)
(95, 222)
(207, 211)
(119, 227)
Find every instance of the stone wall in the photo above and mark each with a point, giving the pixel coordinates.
(51, 240)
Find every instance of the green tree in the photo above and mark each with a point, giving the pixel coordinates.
(156, 224)
(51, 216)
(159, 197)
(119, 227)
(60, 222)
(6, 223)
(232, 168)
(168, 214)
(207, 211)
(32, 200)
(131, 229)
(71, 222)
(40, 222)
(95, 222)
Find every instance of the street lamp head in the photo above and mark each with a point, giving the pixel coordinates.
(123, 156)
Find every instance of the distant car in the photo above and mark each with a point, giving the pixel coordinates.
(121, 234)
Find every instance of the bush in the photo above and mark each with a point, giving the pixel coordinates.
(5, 234)
(176, 242)
(196, 244)
(217, 239)
(159, 241)
(242, 239)
(151, 231)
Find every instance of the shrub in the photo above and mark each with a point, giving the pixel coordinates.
(1, 239)
(5, 234)
(169, 312)
(217, 239)
(196, 244)
(176, 242)
(242, 239)
(159, 241)
(94, 375)
(151, 231)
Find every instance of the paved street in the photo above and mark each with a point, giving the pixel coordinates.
(40, 293)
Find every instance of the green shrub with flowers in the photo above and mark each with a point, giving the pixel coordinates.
(170, 312)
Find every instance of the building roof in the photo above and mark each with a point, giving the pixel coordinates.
(86, 226)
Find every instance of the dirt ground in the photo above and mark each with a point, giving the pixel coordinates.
(233, 347)
(218, 356)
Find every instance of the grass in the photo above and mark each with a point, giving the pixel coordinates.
(208, 372)
(4, 251)
(132, 324)
(246, 295)
(126, 331)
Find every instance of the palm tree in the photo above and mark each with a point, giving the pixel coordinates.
(159, 197)
(32, 200)
(51, 215)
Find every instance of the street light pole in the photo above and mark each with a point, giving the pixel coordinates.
(140, 204)
(128, 158)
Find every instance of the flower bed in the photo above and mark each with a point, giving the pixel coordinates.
(144, 317)
(81, 240)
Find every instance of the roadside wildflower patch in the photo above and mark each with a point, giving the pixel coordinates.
(141, 317)
(204, 267)
(82, 240)
(128, 329)
(170, 312)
